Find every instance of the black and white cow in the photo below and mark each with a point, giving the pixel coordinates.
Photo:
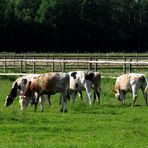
(85, 80)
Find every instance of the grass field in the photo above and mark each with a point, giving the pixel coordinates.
(108, 125)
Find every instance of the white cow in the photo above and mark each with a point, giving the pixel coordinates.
(18, 88)
(80, 80)
(130, 83)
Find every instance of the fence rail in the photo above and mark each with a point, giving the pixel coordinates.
(73, 61)
(64, 65)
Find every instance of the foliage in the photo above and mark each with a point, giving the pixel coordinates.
(74, 25)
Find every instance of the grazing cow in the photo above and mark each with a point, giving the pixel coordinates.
(130, 83)
(18, 88)
(49, 84)
(80, 80)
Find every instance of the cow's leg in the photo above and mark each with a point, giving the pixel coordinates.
(94, 93)
(36, 101)
(68, 95)
(134, 93)
(145, 95)
(96, 96)
(47, 98)
(134, 100)
(73, 94)
(63, 103)
(80, 95)
(24, 101)
(87, 98)
(87, 86)
(42, 103)
(122, 97)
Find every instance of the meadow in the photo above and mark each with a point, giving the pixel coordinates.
(108, 125)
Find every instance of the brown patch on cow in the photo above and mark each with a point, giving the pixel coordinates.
(28, 91)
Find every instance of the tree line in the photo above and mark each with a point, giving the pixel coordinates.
(74, 25)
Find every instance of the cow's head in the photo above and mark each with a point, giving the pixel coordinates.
(116, 91)
(26, 97)
(12, 95)
(16, 89)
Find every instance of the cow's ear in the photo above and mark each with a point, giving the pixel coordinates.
(24, 81)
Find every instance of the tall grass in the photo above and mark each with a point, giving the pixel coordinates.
(106, 125)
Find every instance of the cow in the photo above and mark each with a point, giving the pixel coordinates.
(130, 82)
(18, 88)
(80, 80)
(49, 83)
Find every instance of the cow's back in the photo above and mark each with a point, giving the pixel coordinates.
(126, 81)
(139, 79)
(50, 83)
(123, 82)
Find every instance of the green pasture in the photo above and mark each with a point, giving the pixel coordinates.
(108, 125)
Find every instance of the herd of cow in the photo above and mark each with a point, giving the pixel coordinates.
(33, 87)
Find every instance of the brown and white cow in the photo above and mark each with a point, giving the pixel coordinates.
(49, 83)
(131, 83)
(85, 80)
(18, 88)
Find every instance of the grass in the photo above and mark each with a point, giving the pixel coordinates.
(108, 125)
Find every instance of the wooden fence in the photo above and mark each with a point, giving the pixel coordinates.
(64, 65)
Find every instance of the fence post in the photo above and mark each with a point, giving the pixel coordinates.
(47, 59)
(33, 66)
(5, 64)
(63, 68)
(137, 59)
(78, 60)
(53, 65)
(90, 65)
(130, 66)
(124, 65)
(21, 67)
(14, 63)
(96, 66)
(25, 65)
